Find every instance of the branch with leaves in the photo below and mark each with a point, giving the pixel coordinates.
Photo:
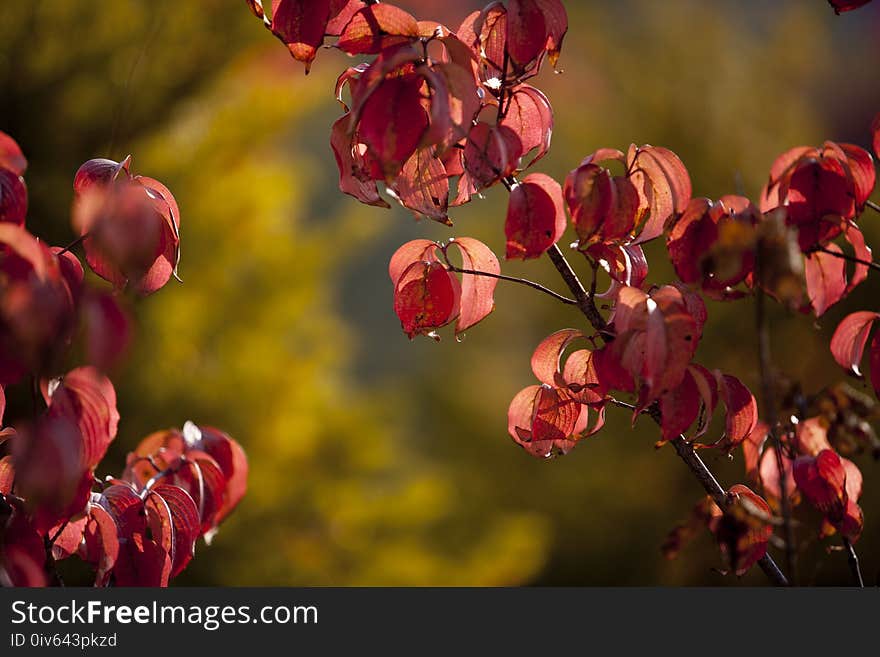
(435, 127)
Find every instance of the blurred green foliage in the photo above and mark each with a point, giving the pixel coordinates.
(375, 460)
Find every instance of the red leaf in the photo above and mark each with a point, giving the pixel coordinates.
(426, 297)
(744, 531)
(376, 27)
(11, 156)
(36, 307)
(107, 327)
(47, 460)
(610, 371)
(861, 251)
(486, 33)
(603, 208)
(491, 153)
(178, 510)
(862, 172)
(393, 122)
(423, 186)
(707, 385)
(535, 217)
(742, 411)
(530, 116)
(848, 341)
(100, 171)
(543, 419)
(526, 31)
(819, 198)
(68, 537)
(826, 279)
(132, 224)
(100, 545)
(341, 12)
(352, 167)
(300, 25)
(664, 181)
(841, 6)
(230, 458)
(13, 197)
(692, 235)
(679, 408)
(822, 480)
(86, 397)
(477, 292)
(625, 264)
(658, 336)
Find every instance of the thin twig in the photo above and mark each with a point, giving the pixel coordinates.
(850, 258)
(75, 243)
(58, 533)
(853, 560)
(872, 205)
(513, 279)
(768, 401)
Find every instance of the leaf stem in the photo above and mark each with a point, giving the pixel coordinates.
(513, 279)
(75, 243)
(851, 258)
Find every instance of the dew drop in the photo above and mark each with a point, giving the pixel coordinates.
(459, 337)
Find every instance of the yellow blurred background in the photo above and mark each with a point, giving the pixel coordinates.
(375, 460)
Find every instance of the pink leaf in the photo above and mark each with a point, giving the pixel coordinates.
(547, 356)
(375, 28)
(11, 156)
(530, 116)
(742, 410)
(477, 292)
(409, 253)
(665, 182)
(848, 341)
(826, 279)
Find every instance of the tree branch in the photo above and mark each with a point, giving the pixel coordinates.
(709, 483)
(584, 300)
(872, 205)
(682, 447)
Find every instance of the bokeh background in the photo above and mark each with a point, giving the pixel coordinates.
(376, 460)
